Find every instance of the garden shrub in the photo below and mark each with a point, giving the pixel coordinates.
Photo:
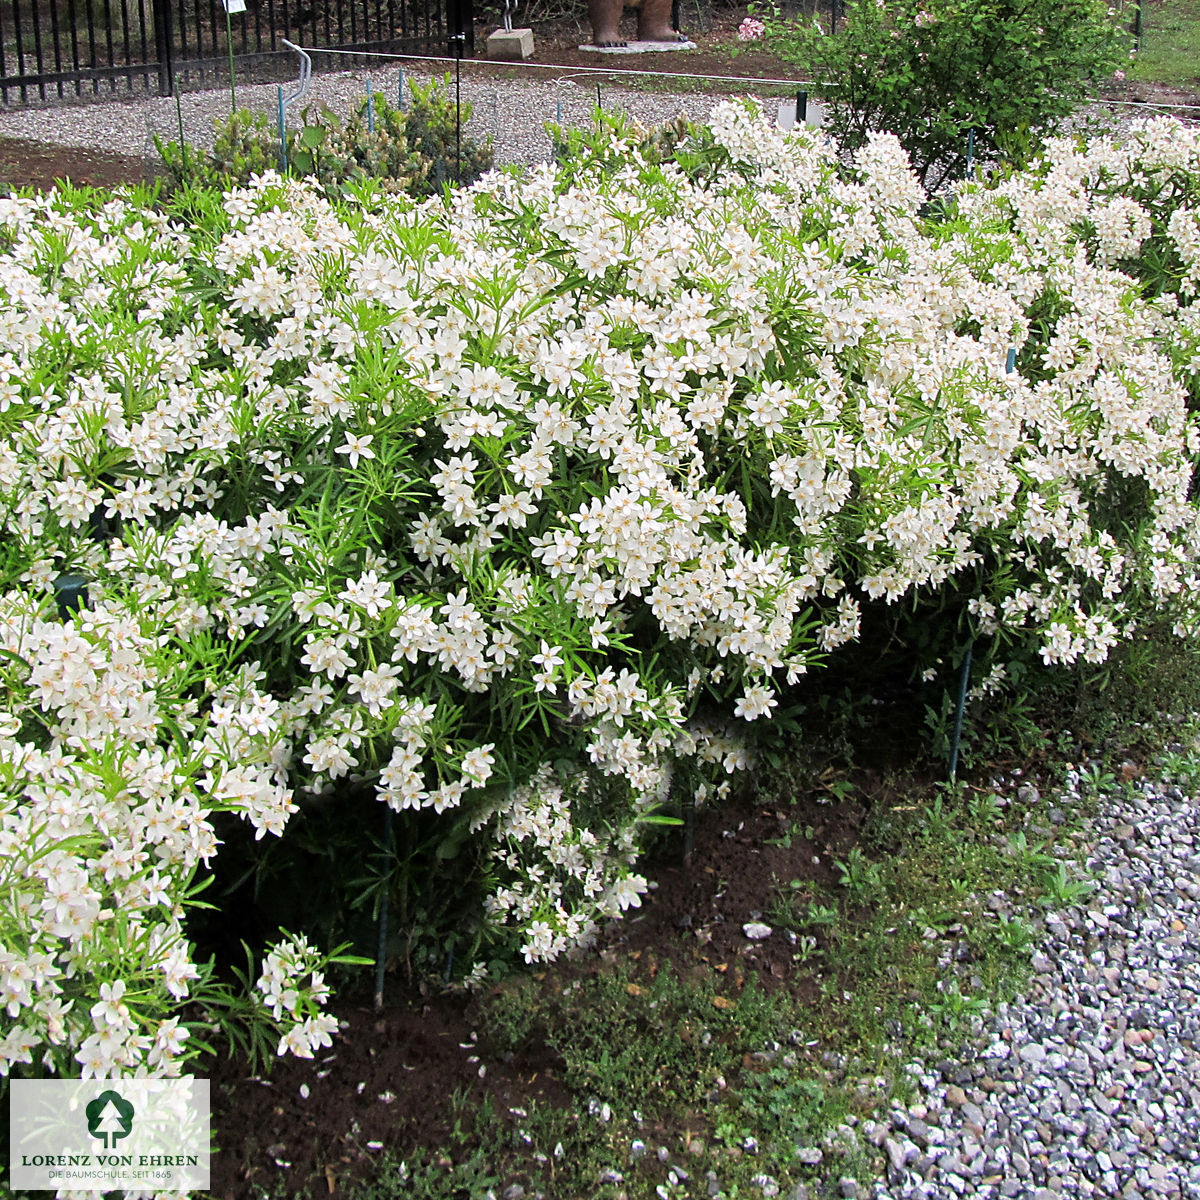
(934, 72)
(415, 150)
(517, 505)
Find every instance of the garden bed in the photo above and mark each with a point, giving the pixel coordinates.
(511, 513)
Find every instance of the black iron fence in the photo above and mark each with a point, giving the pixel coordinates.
(60, 49)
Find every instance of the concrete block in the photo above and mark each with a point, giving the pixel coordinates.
(814, 116)
(510, 45)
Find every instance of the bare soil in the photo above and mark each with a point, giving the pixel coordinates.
(42, 165)
(390, 1076)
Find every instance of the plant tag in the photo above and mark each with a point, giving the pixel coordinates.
(234, 6)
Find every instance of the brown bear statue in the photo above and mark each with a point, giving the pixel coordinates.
(654, 22)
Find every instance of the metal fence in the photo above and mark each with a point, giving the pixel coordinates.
(98, 49)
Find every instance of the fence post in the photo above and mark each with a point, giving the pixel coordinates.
(164, 47)
(460, 22)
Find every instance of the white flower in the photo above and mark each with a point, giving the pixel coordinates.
(756, 702)
(357, 446)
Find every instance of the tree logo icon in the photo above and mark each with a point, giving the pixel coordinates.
(109, 1117)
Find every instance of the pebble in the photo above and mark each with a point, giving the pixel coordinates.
(1088, 1084)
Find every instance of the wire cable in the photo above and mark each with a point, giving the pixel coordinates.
(434, 58)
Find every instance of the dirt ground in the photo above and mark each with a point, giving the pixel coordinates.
(41, 165)
(313, 1124)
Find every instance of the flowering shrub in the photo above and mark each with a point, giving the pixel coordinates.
(929, 71)
(514, 506)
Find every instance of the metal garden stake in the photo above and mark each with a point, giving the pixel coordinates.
(1010, 365)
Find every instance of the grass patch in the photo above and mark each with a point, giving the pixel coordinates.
(675, 1083)
(1170, 49)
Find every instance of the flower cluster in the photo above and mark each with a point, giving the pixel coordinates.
(502, 505)
(292, 986)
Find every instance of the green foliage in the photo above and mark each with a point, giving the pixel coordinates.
(1061, 889)
(414, 150)
(337, 154)
(860, 877)
(629, 1042)
(433, 127)
(929, 71)
(783, 1109)
(246, 144)
(613, 137)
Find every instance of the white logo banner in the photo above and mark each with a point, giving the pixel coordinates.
(140, 1135)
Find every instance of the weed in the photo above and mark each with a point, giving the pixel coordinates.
(780, 1108)
(805, 948)
(860, 877)
(953, 1006)
(1012, 934)
(819, 915)
(512, 1016)
(1181, 765)
(1062, 890)
(1096, 779)
(1030, 857)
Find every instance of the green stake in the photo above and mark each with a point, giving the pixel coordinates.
(182, 144)
(382, 931)
(282, 134)
(964, 679)
(229, 39)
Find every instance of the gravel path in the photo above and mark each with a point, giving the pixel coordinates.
(512, 112)
(1089, 1085)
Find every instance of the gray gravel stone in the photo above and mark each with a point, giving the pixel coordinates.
(1088, 1085)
